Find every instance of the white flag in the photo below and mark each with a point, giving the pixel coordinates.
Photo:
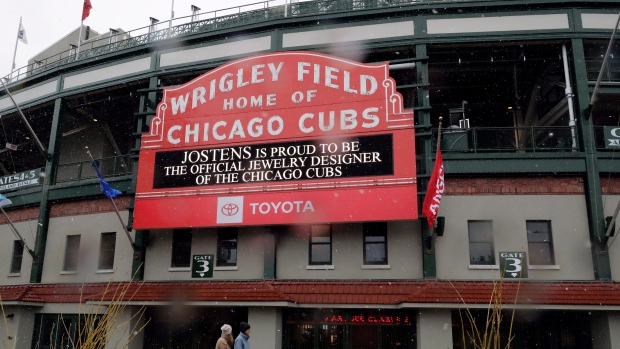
(21, 35)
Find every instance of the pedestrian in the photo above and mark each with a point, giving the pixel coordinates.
(226, 340)
(244, 335)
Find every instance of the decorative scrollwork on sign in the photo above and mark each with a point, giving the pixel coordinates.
(156, 132)
(404, 118)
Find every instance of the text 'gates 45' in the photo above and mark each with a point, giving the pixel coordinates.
(281, 138)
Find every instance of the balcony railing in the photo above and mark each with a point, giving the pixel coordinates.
(208, 21)
(506, 139)
(610, 74)
(114, 166)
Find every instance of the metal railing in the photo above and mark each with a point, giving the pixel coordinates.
(208, 21)
(506, 139)
(113, 166)
(611, 73)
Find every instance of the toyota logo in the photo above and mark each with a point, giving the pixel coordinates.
(230, 209)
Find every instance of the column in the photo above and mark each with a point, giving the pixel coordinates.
(434, 328)
(266, 325)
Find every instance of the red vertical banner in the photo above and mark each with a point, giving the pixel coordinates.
(434, 192)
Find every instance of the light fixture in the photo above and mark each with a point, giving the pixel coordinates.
(509, 108)
(95, 120)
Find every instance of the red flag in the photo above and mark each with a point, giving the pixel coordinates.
(435, 189)
(86, 9)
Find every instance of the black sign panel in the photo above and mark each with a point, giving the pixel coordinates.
(202, 266)
(275, 162)
(513, 265)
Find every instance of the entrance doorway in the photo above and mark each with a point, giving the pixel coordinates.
(349, 329)
(182, 326)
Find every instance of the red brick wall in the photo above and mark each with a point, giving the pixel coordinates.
(610, 186)
(88, 207)
(68, 209)
(24, 214)
(515, 186)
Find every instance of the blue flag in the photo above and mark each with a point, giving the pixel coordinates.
(105, 187)
(4, 201)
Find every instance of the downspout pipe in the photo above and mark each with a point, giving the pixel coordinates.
(569, 96)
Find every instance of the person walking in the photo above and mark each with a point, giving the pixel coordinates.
(226, 340)
(244, 335)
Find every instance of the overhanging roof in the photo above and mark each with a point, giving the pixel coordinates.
(326, 293)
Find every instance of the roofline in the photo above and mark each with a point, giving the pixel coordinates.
(277, 304)
(401, 306)
(20, 303)
(511, 306)
(59, 40)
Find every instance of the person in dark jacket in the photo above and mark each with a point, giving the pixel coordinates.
(244, 335)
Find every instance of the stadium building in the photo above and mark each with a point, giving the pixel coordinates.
(273, 161)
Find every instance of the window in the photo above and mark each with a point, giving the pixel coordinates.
(72, 250)
(18, 253)
(106, 251)
(226, 247)
(375, 243)
(539, 242)
(481, 242)
(56, 330)
(181, 248)
(320, 244)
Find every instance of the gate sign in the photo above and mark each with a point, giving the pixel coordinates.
(202, 266)
(513, 265)
(612, 137)
(281, 138)
(20, 180)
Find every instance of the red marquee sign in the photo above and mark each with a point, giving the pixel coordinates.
(281, 138)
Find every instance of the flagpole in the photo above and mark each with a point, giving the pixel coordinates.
(34, 135)
(79, 40)
(439, 134)
(434, 188)
(118, 214)
(438, 148)
(15, 51)
(77, 53)
(31, 252)
(171, 18)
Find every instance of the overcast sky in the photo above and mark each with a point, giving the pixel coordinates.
(46, 21)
